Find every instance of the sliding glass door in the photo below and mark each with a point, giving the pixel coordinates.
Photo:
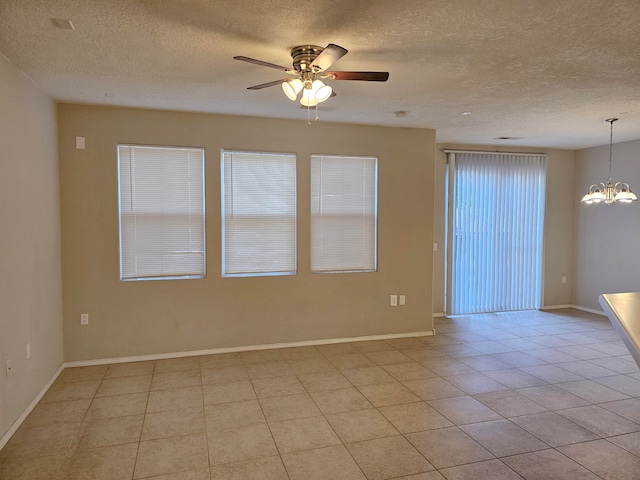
(495, 231)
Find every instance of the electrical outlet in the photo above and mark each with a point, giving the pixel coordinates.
(402, 300)
(393, 300)
(27, 352)
(84, 319)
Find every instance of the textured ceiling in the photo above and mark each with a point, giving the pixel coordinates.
(550, 71)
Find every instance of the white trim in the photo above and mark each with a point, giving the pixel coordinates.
(488, 152)
(590, 310)
(438, 314)
(270, 346)
(5, 438)
(556, 307)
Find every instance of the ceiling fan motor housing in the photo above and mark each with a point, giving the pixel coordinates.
(303, 57)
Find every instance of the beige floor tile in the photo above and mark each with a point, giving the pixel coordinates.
(405, 342)
(233, 415)
(503, 438)
(515, 378)
(131, 369)
(321, 464)
(489, 470)
(433, 475)
(484, 363)
(586, 369)
(433, 388)
(278, 386)
(269, 468)
(472, 383)
(448, 447)
(338, 401)
(300, 353)
(389, 457)
(518, 359)
(303, 434)
(277, 409)
(552, 397)
(361, 425)
(261, 356)
(629, 409)
(64, 392)
(39, 468)
(199, 474)
(220, 360)
(385, 394)
(106, 463)
(173, 423)
(447, 366)
(103, 432)
(622, 383)
(268, 370)
(509, 403)
(228, 374)
(164, 381)
(336, 349)
(371, 346)
(175, 399)
(600, 421)
(228, 392)
(367, 376)
(604, 459)
(82, 374)
(408, 371)
(546, 465)
(553, 429)
(344, 361)
(57, 412)
(240, 444)
(321, 381)
(388, 357)
(41, 441)
(124, 385)
(624, 365)
(171, 455)
(630, 442)
(461, 410)
(311, 366)
(414, 417)
(118, 406)
(551, 373)
(180, 364)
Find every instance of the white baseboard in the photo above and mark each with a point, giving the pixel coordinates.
(5, 438)
(438, 315)
(589, 310)
(270, 346)
(556, 307)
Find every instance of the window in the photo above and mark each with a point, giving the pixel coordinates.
(162, 229)
(343, 213)
(497, 221)
(258, 213)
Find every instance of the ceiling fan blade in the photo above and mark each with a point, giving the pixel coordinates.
(268, 84)
(330, 55)
(262, 63)
(366, 76)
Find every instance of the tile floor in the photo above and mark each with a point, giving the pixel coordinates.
(534, 395)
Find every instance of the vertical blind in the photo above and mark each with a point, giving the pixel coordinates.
(258, 213)
(343, 213)
(161, 200)
(497, 241)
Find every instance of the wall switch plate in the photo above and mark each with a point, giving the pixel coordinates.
(402, 300)
(393, 300)
(564, 279)
(84, 319)
(435, 247)
(27, 351)
(80, 143)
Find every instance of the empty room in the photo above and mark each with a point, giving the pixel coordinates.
(364, 240)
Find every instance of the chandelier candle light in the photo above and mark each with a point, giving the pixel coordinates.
(609, 193)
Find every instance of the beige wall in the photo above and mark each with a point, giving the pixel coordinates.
(150, 317)
(30, 288)
(558, 235)
(607, 257)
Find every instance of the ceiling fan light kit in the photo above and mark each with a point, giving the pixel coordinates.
(310, 64)
(609, 192)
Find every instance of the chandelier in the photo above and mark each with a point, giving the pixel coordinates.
(610, 192)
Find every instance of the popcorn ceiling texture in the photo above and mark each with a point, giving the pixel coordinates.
(546, 70)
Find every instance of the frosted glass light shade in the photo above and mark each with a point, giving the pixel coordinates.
(292, 88)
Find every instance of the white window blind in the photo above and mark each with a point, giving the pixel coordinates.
(343, 213)
(259, 213)
(162, 228)
(497, 242)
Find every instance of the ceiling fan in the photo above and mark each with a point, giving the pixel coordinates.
(310, 67)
